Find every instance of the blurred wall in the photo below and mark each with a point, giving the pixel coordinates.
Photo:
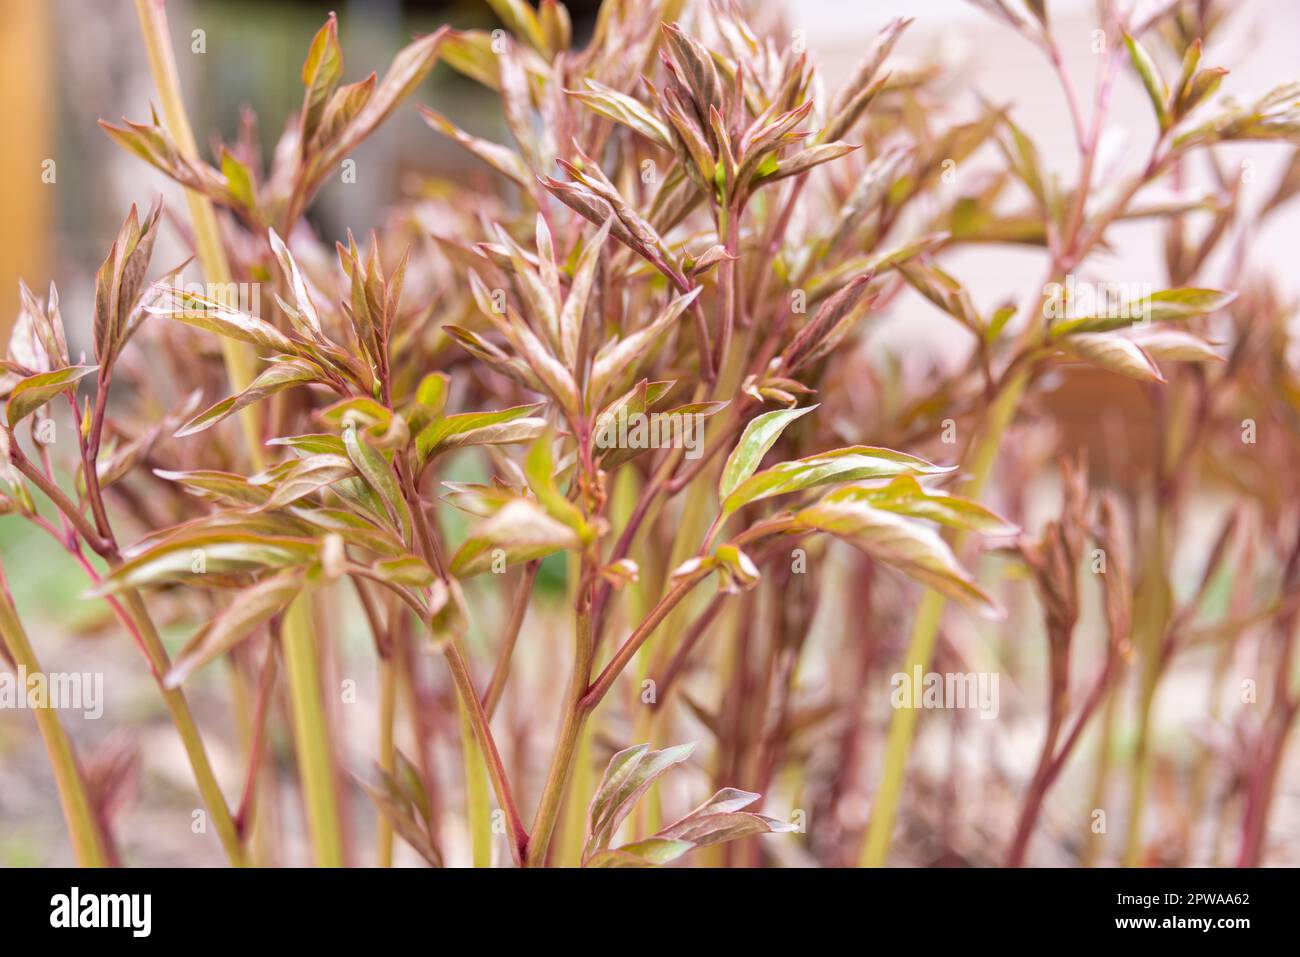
(25, 106)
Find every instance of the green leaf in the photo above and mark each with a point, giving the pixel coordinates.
(539, 468)
(239, 181)
(759, 436)
(214, 485)
(35, 390)
(320, 74)
(381, 427)
(998, 322)
(943, 290)
(803, 161)
(244, 614)
(737, 570)
(409, 570)
(503, 427)
(315, 443)
(522, 529)
(1157, 90)
(851, 464)
(522, 21)
(652, 852)
(1175, 345)
(191, 555)
(379, 475)
(1187, 303)
(1201, 88)
(905, 496)
(275, 378)
(308, 475)
(432, 391)
(1167, 305)
(912, 548)
(470, 52)
(1114, 353)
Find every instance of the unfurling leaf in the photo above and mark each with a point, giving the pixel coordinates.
(624, 109)
(34, 391)
(628, 776)
(906, 496)
(320, 74)
(379, 475)
(1157, 90)
(851, 464)
(505, 427)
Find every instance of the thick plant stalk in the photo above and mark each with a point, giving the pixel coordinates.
(315, 764)
(207, 239)
(575, 716)
(478, 795)
(387, 750)
(315, 756)
(88, 842)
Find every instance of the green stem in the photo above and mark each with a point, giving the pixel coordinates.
(179, 709)
(473, 713)
(311, 734)
(88, 842)
(239, 369)
(1101, 777)
(478, 808)
(575, 716)
(388, 666)
(238, 356)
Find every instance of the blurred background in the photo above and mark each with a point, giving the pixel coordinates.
(64, 188)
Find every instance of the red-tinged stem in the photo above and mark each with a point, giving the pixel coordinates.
(244, 816)
(492, 697)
